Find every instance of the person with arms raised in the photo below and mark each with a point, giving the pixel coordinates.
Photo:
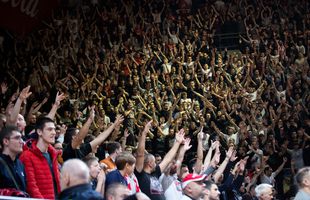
(147, 171)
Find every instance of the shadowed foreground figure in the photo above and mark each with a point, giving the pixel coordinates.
(75, 181)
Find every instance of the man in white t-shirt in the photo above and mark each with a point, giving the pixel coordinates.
(269, 176)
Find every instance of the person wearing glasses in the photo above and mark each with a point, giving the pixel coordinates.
(12, 171)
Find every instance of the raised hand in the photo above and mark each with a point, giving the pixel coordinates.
(25, 93)
(126, 134)
(187, 145)
(216, 159)
(200, 134)
(34, 104)
(14, 96)
(63, 129)
(59, 98)
(215, 145)
(179, 137)
(44, 100)
(230, 152)
(147, 126)
(92, 113)
(119, 119)
(233, 156)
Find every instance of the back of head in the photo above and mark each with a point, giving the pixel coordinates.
(303, 175)
(70, 132)
(76, 171)
(138, 196)
(89, 160)
(148, 157)
(123, 158)
(117, 191)
(113, 146)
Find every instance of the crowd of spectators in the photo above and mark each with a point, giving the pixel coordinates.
(146, 76)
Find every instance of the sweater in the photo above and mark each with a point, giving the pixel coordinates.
(41, 182)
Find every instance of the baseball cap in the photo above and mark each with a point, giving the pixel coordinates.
(192, 178)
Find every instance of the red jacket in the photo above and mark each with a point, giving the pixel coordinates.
(38, 174)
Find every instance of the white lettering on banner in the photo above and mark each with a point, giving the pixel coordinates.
(29, 7)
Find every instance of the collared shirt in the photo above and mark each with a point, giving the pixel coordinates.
(115, 177)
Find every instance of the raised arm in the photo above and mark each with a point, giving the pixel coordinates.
(222, 167)
(102, 136)
(280, 167)
(77, 141)
(12, 119)
(179, 138)
(199, 159)
(141, 147)
(58, 99)
(181, 154)
(207, 160)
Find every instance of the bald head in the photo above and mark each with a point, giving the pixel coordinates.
(74, 172)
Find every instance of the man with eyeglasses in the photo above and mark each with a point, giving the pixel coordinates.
(11, 145)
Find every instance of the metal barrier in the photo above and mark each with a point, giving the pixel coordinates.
(227, 40)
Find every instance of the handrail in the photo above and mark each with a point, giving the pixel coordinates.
(227, 40)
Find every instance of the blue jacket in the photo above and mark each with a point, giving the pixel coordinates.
(18, 171)
(80, 192)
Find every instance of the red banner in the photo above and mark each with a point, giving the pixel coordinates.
(22, 16)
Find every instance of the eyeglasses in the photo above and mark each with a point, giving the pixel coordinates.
(17, 137)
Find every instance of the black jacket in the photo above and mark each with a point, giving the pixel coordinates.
(18, 171)
(80, 192)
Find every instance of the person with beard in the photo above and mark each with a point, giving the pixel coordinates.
(170, 181)
(147, 171)
(212, 192)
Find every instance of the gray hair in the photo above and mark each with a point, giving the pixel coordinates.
(302, 174)
(261, 188)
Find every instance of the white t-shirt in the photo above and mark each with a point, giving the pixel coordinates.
(269, 180)
(253, 96)
(166, 68)
(174, 191)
